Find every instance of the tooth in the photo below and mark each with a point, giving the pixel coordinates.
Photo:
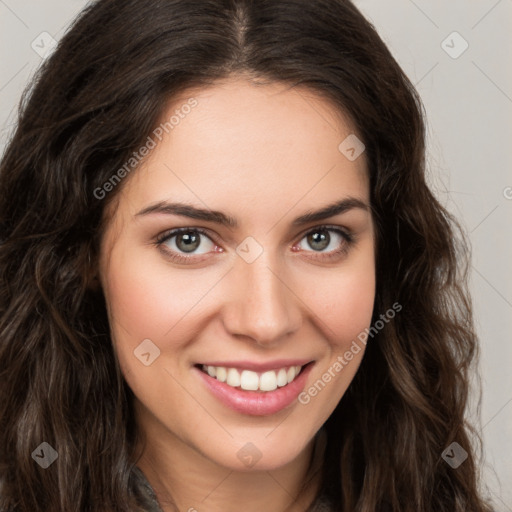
(221, 373)
(290, 374)
(249, 380)
(268, 381)
(282, 380)
(233, 378)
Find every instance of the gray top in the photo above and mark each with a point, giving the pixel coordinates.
(146, 491)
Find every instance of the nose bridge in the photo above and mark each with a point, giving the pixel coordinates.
(263, 307)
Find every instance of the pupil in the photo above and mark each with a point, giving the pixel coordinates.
(188, 241)
(322, 238)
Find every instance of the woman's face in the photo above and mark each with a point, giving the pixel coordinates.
(256, 284)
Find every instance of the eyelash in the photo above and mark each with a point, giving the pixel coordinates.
(348, 240)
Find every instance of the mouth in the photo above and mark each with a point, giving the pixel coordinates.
(249, 380)
(255, 392)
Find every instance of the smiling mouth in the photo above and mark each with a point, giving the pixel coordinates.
(249, 380)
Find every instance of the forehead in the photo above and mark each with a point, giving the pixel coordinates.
(243, 144)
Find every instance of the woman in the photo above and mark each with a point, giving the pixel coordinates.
(225, 282)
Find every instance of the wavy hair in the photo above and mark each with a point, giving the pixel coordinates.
(91, 105)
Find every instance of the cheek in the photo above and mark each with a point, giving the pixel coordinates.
(344, 309)
(351, 308)
(145, 299)
(149, 312)
(343, 300)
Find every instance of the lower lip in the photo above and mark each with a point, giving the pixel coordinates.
(256, 403)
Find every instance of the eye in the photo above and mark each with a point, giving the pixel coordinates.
(327, 240)
(179, 242)
(184, 244)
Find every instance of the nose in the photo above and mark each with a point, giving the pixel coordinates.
(261, 304)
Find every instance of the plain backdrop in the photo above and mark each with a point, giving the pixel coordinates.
(458, 54)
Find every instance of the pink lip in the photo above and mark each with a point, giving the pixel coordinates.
(259, 367)
(256, 403)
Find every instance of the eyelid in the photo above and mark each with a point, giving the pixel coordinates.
(327, 227)
(169, 233)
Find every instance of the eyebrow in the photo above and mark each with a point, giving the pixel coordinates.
(217, 217)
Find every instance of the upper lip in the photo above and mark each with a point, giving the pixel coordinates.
(259, 366)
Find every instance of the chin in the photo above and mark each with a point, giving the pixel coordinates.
(273, 452)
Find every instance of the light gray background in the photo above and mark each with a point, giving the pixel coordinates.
(468, 100)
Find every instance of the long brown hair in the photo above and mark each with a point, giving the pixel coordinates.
(92, 104)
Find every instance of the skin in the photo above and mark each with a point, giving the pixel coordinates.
(264, 155)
